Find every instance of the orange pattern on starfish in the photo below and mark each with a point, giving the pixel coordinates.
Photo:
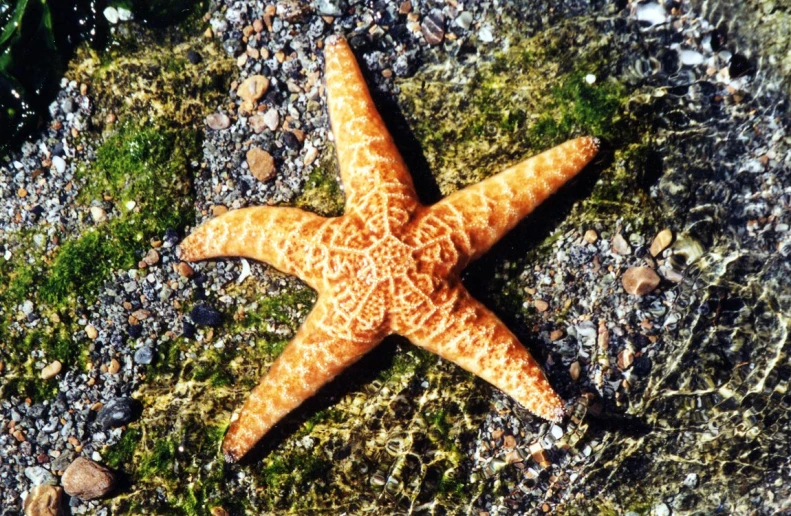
(389, 264)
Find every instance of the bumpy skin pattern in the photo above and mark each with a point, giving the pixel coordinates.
(389, 265)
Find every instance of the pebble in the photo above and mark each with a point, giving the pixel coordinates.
(652, 13)
(185, 270)
(574, 370)
(152, 257)
(51, 370)
(218, 121)
(557, 335)
(257, 123)
(144, 355)
(271, 119)
(44, 500)
(541, 305)
(310, 155)
(620, 245)
(87, 480)
(40, 476)
(111, 15)
(261, 163)
(464, 20)
(59, 164)
(591, 236)
(116, 412)
(625, 359)
(205, 315)
(661, 509)
(433, 27)
(194, 57)
(114, 366)
(252, 89)
(661, 242)
(639, 281)
(98, 214)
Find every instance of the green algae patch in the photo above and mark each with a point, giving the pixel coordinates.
(322, 192)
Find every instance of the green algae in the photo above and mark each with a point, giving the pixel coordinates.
(322, 192)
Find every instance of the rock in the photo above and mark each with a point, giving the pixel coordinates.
(620, 245)
(185, 270)
(51, 370)
(261, 163)
(642, 366)
(59, 164)
(144, 355)
(574, 370)
(114, 366)
(252, 89)
(541, 305)
(590, 236)
(661, 242)
(116, 412)
(124, 14)
(111, 15)
(464, 20)
(98, 214)
(433, 27)
(87, 480)
(194, 57)
(291, 140)
(40, 476)
(556, 335)
(272, 119)
(293, 10)
(44, 500)
(625, 359)
(257, 123)
(218, 121)
(329, 8)
(640, 281)
(152, 257)
(205, 315)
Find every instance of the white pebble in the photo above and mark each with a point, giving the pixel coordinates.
(111, 14)
(652, 13)
(485, 34)
(556, 431)
(98, 214)
(690, 57)
(245, 272)
(125, 14)
(59, 164)
(590, 78)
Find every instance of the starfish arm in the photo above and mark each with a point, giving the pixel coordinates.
(370, 163)
(483, 213)
(282, 237)
(318, 353)
(465, 332)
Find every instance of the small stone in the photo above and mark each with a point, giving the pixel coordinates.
(151, 257)
(51, 370)
(98, 214)
(433, 27)
(144, 355)
(59, 164)
(114, 366)
(124, 14)
(310, 155)
(116, 412)
(22, 193)
(87, 480)
(574, 370)
(218, 511)
(184, 270)
(111, 15)
(272, 119)
(44, 500)
(621, 246)
(405, 7)
(661, 241)
(661, 509)
(541, 305)
(261, 163)
(257, 123)
(590, 236)
(293, 10)
(639, 281)
(194, 57)
(91, 331)
(218, 121)
(642, 366)
(258, 25)
(590, 79)
(691, 480)
(464, 20)
(556, 335)
(40, 476)
(205, 315)
(253, 88)
(539, 454)
(625, 359)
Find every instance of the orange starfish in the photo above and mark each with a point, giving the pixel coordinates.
(388, 265)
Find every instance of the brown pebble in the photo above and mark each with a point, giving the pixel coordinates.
(114, 366)
(52, 370)
(556, 335)
(44, 500)
(509, 441)
(208, 33)
(261, 163)
(541, 305)
(18, 435)
(184, 270)
(625, 359)
(253, 88)
(83, 89)
(405, 7)
(591, 236)
(218, 511)
(21, 192)
(91, 331)
(574, 370)
(87, 480)
(639, 281)
(258, 25)
(152, 257)
(141, 315)
(661, 241)
(433, 27)
(539, 454)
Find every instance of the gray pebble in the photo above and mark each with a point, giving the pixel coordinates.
(144, 355)
(40, 476)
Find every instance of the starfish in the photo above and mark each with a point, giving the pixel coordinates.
(389, 264)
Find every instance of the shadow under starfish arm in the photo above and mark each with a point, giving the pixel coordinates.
(463, 331)
(482, 213)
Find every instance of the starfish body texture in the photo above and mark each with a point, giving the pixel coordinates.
(389, 264)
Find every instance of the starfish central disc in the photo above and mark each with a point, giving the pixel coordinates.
(389, 264)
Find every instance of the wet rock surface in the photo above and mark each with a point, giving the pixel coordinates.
(87, 480)
(683, 387)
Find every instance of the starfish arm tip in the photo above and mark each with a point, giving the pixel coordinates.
(231, 456)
